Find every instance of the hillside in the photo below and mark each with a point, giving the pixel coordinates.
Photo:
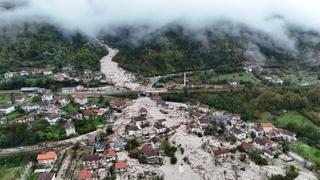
(175, 49)
(41, 46)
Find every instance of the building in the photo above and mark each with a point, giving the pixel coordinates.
(133, 130)
(159, 128)
(246, 146)
(8, 75)
(109, 156)
(267, 127)
(142, 112)
(118, 145)
(30, 89)
(119, 104)
(150, 153)
(80, 99)
(224, 119)
(220, 153)
(84, 174)
(47, 97)
(47, 158)
(47, 176)
(100, 146)
(240, 135)
(69, 128)
(91, 161)
(53, 118)
(139, 120)
(121, 166)
(31, 107)
(7, 109)
(282, 134)
(258, 131)
(88, 114)
(203, 122)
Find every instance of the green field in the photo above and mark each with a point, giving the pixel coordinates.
(303, 78)
(71, 108)
(292, 117)
(310, 153)
(245, 77)
(15, 114)
(5, 98)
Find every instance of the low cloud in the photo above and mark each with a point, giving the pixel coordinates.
(92, 17)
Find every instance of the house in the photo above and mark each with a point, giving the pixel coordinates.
(47, 158)
(76, 115)
(162, 103)
(109, 156)
(19, 99)
(53, 118)
(24, 73)
(25, 119)
(142, 112)
(8, 75)
(69, 128)
(246, 146)
(140, 120)
(235, 119)
(268, 153)
(132, 130)
(196, 115)
(159, 128)
(88, 114)
(29, 89)
(91, 161)
(267, 127)
(84, 174)
(47, 176)
(121, 166)
(224, 119)
(80, 99)
(47, 72)
(262, 142)
(156, 142)
(31, 107)
(59, 77)
(118, 145)
(62, 101)
(220, 153)
(47, 97)
(7, 108)
(118, 104)
(282, 134)
(203, 122)
(258, 131)
(150, 153)
(100, 146)
(240, 135)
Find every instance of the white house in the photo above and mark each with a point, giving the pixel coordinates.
(31, 107)
(47, 97)
(240, 135)
(69, 128)
(7, 109)
(53, 118)
(8, 75)
(159, 128)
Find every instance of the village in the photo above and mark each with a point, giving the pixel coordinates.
(95, 135)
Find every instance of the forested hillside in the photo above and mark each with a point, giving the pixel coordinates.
(43, 46)
(175, 49)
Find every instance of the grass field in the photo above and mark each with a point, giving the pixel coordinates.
(246, 77)
(71, 108)
(15, 115)
(292, 117)
(5, 98)
(303, 78)
(310, 153)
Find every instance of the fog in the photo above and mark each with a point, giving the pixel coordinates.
(91, 17)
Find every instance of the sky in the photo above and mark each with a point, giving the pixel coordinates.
(94, 16)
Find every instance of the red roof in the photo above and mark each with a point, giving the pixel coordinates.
(47, 156)
(266, 125)
(84, 174)
(121, 165)
(143, 110)
(110, 153)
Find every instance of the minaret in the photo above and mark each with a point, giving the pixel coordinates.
(184, 79)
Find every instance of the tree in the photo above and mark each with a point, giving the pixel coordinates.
(173, 160)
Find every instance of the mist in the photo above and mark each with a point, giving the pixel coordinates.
(92, 17)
